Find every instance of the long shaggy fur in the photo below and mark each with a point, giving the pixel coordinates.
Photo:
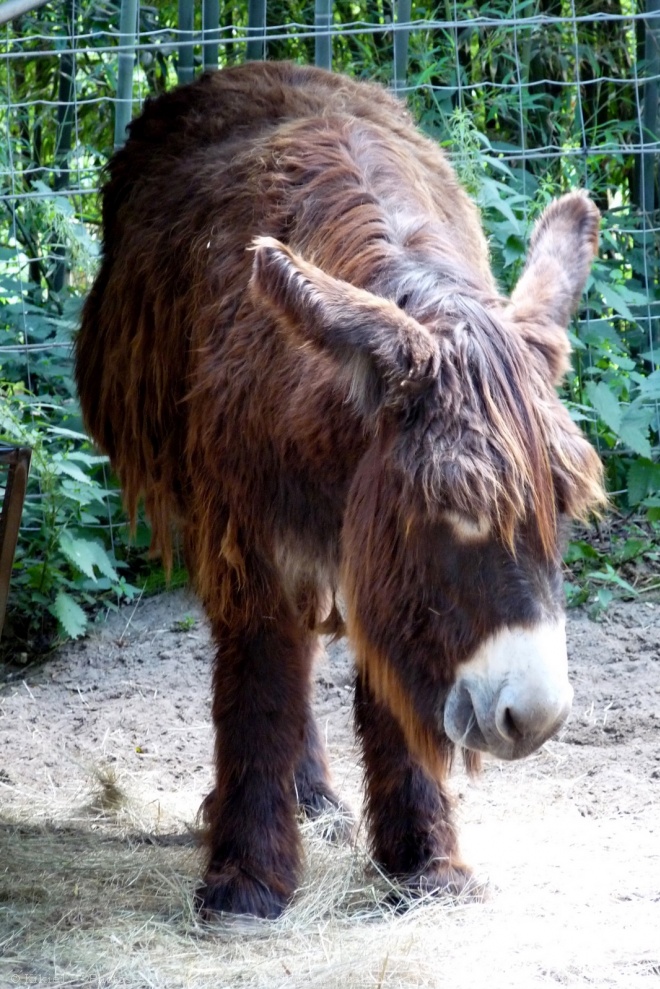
(296, 354)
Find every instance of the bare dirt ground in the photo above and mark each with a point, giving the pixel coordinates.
(105, 755)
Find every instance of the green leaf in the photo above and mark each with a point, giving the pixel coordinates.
(650, 387)
(631, 549)
(621, 363)
(498, 166)
(605, 403)
(86, 555)
(87, 458)
(637, 439)
(80, 552)
(603, 598)
(102, 561)
(69, 614)
(86, 495)
(495, 195)
(599, 331)
(64, 467)
(87, 518)
(610, 576)
(614, 300)
(575, 595)
(634, 428)
(71, 434)
(513, 250)
(643, 478)
(580, 551)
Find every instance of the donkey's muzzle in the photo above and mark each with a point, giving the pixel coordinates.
(513, 695)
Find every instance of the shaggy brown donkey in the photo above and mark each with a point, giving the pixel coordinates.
(296, 353)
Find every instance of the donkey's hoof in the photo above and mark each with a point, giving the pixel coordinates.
(335, 820)
(234, 891)
(454, 881)
(206, 812)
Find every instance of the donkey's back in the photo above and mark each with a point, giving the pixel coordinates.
(330, 166)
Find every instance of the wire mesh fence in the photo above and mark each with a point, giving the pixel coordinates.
(530, 97)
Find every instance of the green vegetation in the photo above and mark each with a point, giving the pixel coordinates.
(528, 104)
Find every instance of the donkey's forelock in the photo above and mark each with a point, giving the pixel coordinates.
(495, 443)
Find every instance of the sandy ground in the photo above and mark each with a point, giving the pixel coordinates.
(105, 755)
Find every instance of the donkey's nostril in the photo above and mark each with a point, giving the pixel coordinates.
(522, 720)
(508, 727)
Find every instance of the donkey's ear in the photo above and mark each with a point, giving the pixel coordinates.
(386, 355)
(562, 248)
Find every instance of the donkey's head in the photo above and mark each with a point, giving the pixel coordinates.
(452, 533)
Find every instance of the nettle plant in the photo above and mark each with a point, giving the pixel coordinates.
(71, 557)
(74, 554)
(614, 390)
(62, 565)
(65, 566)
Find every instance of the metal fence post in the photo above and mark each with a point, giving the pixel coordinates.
(403, 14)
(323, 40)
(185, 69)
(256, 45)
(66, 92)
(650, 113)
(210, 33)
(127, 37)
(649, 166)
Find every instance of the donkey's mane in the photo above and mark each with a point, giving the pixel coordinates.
(497, 443)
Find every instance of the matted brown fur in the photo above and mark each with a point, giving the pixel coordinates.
(296, 354)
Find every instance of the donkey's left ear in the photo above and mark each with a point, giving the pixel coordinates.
(562, 248)
(386, 356)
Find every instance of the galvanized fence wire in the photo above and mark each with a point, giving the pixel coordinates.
(106, 72)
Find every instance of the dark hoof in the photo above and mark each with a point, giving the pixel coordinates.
(206, 810)
(234, 891)
(321, 804)
(442, 880)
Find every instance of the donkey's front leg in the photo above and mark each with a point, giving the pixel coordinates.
(409, 813)
(259, 709)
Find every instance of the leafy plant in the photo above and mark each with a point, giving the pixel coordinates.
(63, 564)
(613, 390)
(526, 112)
(185, 624)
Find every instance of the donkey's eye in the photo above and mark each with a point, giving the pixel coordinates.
(466, 528)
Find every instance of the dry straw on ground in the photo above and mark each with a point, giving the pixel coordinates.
(97, 904)
(98, 863)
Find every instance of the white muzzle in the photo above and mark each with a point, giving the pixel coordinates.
(513, 694)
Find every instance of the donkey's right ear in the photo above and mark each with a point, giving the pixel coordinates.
(562, 248)
(385, 355)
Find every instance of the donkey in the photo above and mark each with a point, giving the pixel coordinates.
(296, 353)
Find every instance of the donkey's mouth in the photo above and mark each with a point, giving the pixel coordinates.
(487, 724)
(460, 722)
(513, 695)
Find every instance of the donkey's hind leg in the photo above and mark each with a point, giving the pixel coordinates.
(315, 794)
(409, 814)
